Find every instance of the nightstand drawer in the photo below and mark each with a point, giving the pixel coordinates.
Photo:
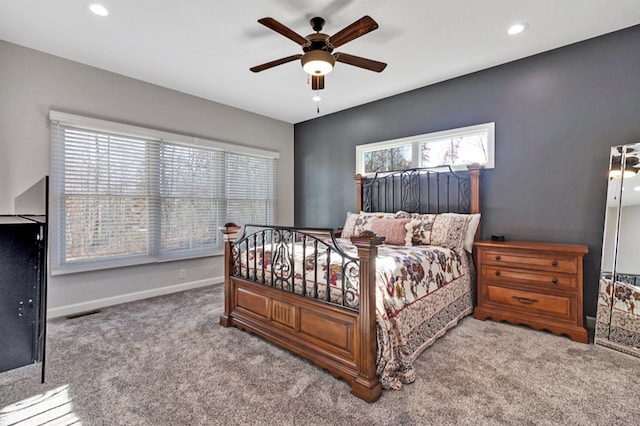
(532, 278)
(535, 303)
(533, 260)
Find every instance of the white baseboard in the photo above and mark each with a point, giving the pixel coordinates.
(129, 297)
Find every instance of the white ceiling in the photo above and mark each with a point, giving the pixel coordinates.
(206, 47)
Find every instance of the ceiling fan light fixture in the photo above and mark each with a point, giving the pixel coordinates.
(629, 170)
(626, 174)
(317, 62)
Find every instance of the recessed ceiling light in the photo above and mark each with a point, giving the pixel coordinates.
(98, 9)
(316, 98)
(517, 29)
(636, 188)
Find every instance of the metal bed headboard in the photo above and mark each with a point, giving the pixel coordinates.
(423, 190)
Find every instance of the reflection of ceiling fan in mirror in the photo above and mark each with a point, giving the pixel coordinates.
(632, 163)
(624, 188)
(318, 58)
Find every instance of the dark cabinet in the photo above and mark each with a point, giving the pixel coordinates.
(22, 290)
(23, 279)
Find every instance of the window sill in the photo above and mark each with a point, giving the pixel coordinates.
(124, 263)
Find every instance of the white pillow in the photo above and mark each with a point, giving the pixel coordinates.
(349, 224)
(471, 232)
(470, 235)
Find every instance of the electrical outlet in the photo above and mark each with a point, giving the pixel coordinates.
(183, 273)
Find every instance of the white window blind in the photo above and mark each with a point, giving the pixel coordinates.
(191, 194)
(125, 196)
(250, 196)
(105, 195)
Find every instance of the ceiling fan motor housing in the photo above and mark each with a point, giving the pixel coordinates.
(317, 41)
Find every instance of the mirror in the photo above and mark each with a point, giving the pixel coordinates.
(618, 311)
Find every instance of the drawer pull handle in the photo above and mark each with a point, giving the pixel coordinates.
(497, 272)
(525, 300)
(554, 280)
(554, 263)
(498, 257)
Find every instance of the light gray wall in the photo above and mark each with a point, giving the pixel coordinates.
(557, 114)
(32, 83)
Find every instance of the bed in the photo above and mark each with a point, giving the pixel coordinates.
(362, 301)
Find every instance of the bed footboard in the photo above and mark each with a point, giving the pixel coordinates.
(338, 337)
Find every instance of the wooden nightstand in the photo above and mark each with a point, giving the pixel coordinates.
(538, 284)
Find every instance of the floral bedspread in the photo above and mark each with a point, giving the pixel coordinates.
(618, 313)
(421, 292)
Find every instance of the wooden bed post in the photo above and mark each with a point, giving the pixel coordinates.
(366, 385)
(474, 170)
(359, 182)
(230, 231)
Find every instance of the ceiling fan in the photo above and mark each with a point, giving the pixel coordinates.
(318, 59)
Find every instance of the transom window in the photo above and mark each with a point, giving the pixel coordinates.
(456, 148)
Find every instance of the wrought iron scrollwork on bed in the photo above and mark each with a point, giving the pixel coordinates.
(418, 190)
(309, 263)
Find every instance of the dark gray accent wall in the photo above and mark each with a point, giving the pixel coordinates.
(556, 115)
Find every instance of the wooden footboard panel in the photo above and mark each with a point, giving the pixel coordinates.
(323, 334)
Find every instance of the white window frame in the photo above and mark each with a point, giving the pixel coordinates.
(416, 141)
(58, 264)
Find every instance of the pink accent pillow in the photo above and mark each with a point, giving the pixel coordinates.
(394, 230)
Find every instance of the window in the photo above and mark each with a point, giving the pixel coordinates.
(388, 159)
(456, 148)
(124, 195)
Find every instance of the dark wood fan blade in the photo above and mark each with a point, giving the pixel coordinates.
(275, 63)
(317, 82)
(357, 61)
(282, 29)
(359, 28)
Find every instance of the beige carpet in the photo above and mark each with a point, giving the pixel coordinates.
(167, 361)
